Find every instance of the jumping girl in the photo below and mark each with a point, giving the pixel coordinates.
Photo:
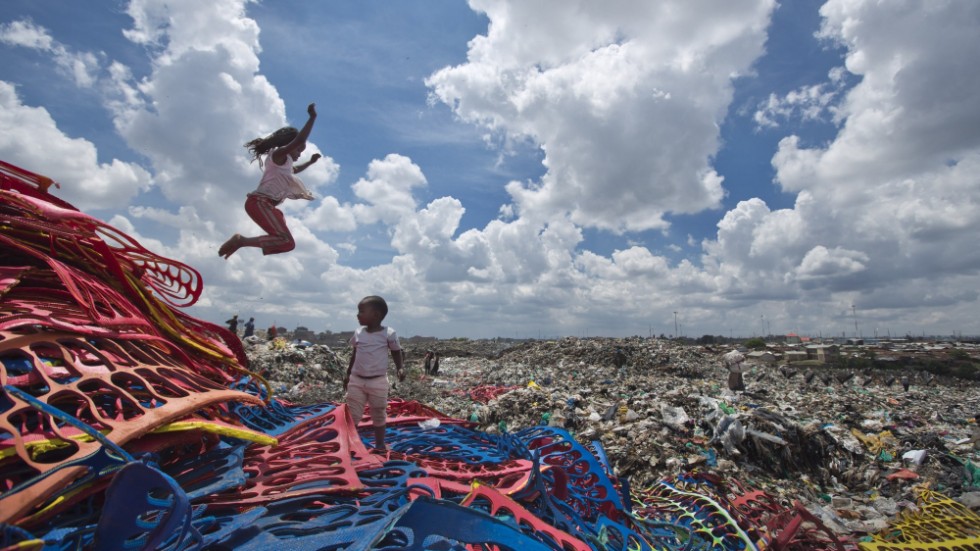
(278, 183)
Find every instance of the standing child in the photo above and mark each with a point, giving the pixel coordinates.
(367, 380)
(278, 183)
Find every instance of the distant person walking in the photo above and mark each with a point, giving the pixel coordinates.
(366, 381)
(733, 362)
(249, 328)
(233, 324)
(620, 359)
(279, 182)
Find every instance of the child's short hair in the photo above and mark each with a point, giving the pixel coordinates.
(279, 138)
(376, 302)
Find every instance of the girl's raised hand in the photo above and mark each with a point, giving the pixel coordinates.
(315, 158)
(311, 109)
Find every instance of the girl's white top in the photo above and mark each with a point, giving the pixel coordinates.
(278, 182)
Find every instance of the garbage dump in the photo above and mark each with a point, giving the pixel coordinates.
(127, 424)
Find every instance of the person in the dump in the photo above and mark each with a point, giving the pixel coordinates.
(366, 381)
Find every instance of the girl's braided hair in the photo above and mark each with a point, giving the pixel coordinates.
(279, 138)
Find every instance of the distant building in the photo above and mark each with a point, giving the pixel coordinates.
(343, 337)
(793, 338)
(791, 356)
(826, 353)
(304, 334)
(764, 357)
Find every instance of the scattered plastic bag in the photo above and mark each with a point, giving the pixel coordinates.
(674, 417)
(429, 423)
(730, 433)
(914, 457)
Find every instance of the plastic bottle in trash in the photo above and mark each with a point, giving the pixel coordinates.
(474, 417)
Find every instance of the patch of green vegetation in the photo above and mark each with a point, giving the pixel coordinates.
(755, 343)
(958, 354)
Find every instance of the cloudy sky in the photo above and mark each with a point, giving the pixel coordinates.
(530, 168)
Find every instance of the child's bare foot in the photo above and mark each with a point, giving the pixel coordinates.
(229, 247)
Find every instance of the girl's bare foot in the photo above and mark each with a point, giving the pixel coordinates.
(229, 247)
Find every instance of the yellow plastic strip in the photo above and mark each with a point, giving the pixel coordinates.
(37, 447)
(223, 430)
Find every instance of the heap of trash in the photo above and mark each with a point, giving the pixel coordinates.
(127, 424)
(857, 450)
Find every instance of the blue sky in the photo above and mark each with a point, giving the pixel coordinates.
(529, 169)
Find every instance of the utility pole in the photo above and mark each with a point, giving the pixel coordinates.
(675, 324)
(857, 334)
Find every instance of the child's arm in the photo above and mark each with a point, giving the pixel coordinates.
(350, 366)
(303, 166)
(279, 155)
(398, 357)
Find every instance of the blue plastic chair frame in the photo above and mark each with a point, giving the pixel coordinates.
(391, 473)
(275, 418)
(444, 442)
(83, 536)
(215, 527)
(144, 508)
(624, 483)
(539, 499)
(590, 484)
(308, 522)
(422, 522)
(213, 472)
(599, 452)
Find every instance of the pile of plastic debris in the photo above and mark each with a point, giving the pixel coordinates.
(125, 423)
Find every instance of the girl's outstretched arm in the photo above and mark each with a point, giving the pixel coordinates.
(279, 155)
(303, 166)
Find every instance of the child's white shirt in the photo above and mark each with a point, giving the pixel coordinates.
(372, 351)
